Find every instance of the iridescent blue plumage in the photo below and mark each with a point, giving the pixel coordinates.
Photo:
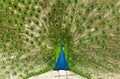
(61, 63)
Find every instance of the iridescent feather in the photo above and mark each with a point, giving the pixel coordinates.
(31, 32)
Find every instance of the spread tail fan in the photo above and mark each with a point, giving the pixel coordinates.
(31, 32)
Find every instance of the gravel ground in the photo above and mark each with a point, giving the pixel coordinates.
(58, 75)
(70, 75)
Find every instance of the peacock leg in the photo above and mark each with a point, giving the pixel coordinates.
(66, 75)
(58, 74)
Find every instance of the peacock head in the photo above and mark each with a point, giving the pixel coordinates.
(62, 44)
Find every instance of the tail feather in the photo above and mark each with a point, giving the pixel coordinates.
(31, 31)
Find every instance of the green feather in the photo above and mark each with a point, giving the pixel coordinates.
(31, 32)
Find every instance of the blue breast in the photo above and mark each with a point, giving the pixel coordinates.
(61, 63)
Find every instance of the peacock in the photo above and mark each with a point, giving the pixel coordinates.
(34, 33)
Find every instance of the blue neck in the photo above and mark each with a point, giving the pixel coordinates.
(61, 63)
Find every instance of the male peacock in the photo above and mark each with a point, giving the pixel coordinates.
(31, 32)
(61, 63)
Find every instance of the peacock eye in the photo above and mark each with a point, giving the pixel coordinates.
(19, 9)
(7, 9)
(53, 34)
(80, 30)
(19, 29)
(5, 0)
(62, 4)
(82, 5)
(54, 10)
(56, 25)
(23, 2)
(52, 29)
(27, 8)
(31, 14)
(17, 16)
(45, 19)
(12, 12)
(29, 2)
(84, 18)
(113, 12)
(15, 6)
(66, 14)
(37, 16)
(32, 42)
(15, 21)
(27, 39)
(80, 13)
(98, 8)
(58, 18)
(91, 20)
(29, 21)
(9, 3)
(41, 4)
(87, 10)
(117, 29)
(107, 6)
(88, 26)
(59, 1)
(39, 43)
(63, 31)
(32, 28)
(110, 26)
(92, 6)
(73, 9)
(60, 10)
(69, 25)
(39, 10)
(33, 9)
(64, 21)
(36, 3)
(31, 35)
(27, 32)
